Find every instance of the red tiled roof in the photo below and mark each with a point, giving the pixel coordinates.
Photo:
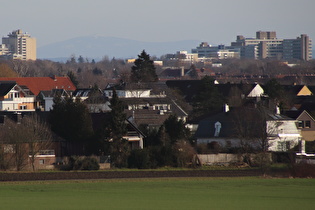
(37, 84)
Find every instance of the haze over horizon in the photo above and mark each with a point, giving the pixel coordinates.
(216, 22)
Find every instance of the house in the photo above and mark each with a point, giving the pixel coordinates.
(233, 94)
(37, 84)
(305, 122)
(95, 100)
(298, 90)
(14, 97)
(282, 133)
(146, 102)
(46, 98)
(229, 129)
(43, 86)
(20, 151)
(124, 90)
(134, 135)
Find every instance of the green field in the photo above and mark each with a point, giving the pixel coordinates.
(179, 193)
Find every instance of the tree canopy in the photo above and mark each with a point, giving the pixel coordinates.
(71, 120)
(117, 128)
(209, 98)
(143, 69)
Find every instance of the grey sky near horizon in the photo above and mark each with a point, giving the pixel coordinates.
(213, 21)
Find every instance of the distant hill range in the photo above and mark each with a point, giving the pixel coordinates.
(96, 47)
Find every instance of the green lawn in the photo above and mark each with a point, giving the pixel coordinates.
(179, 193)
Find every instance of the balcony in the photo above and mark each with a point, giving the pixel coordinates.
(21, 100)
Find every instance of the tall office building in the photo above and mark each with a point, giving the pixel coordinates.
(19, 45)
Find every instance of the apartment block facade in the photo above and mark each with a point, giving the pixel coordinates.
(18, 45)
(267, 45)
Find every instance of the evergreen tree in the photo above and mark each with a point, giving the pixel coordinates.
(119, 148)
(73, 78)
(71, 120)
(208, 99)
(80, 59)
(175, 129)
(143, 69)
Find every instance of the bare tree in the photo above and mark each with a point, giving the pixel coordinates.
(24, 139)
(37, 135)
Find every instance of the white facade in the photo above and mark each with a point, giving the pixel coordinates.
(141, 93)
(257, 91)
(282, 135)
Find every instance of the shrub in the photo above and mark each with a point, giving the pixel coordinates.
(303, 170)
(139, 158)
(89, 163)
(79, 163)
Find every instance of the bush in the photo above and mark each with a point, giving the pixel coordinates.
(79, 163)
(139, 158)
(263, 161)
(303, 170)
(89, 163)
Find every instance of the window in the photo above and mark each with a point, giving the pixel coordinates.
(8, 148)
(281, 146)
(46, 152)
(307, 124)
(23, 107)
(304, 124)
(301, 124)
(41, 162)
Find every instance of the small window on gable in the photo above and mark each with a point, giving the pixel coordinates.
(307, 124)
(301, 124)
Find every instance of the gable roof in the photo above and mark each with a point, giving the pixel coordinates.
(37, 84)
(305, 112)
(53, 93)
(6, 86)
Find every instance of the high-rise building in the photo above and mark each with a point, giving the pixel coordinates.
(266, 45)
(19, 45)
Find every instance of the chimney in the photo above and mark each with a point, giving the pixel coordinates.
(182, 73)
(277, 110)
(226, 108)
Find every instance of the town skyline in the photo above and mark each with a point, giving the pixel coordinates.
(163, 21)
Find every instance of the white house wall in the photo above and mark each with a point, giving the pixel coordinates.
(256, 92)
(282, 135)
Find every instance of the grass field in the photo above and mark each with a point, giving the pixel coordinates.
(171, 193)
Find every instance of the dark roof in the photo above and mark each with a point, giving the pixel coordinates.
(228, 120)
(127, 86)
(173, 73)
(6, 86)
(150, 101)
(147, 117)
(189, 88)
(99, 120)
(206, 126)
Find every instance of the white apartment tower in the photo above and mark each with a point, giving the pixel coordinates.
(19, 45)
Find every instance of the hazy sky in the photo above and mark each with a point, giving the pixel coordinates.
(217, 22)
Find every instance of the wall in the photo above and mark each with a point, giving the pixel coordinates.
(214, 159)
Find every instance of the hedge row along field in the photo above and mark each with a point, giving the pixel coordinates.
(124, 174)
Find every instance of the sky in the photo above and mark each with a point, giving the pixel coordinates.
(212, 21)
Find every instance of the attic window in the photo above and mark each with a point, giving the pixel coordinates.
(301, 124)
(307, 124)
